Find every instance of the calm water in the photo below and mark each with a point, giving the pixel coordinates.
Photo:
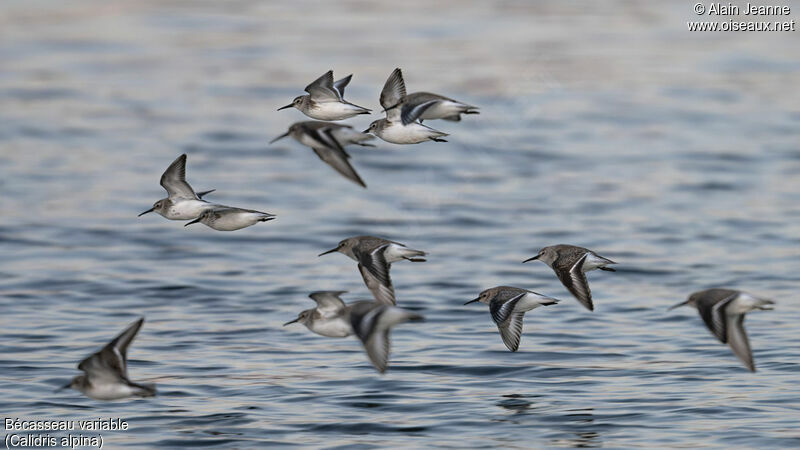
(603, 125)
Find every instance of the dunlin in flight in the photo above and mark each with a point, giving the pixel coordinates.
(375, 257)
(570, 263)
(437, 106)
(400, 125)
(371, 322)
(508, 305)
(105, 373)
(228, 218)
(182, 203)
(330, 317)
(328, 140)
(723, 311)
(325, 100)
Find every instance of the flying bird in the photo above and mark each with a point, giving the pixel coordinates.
(105, 373)
(328, 140)
(330, 318)
(325, 100)
(375, 257)
(723, 312)
(182, 203)
(436, 106)
(371, 322)
(401, 124)
(508, 305)
(228, 218)
(570, 263)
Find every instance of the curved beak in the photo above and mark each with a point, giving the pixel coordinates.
(148, 211)
(472, 301)
(366, 131)
(281, 136)
(530, 259)
(290, 105)
(194, 221)
(292, 321)
(329, 251)
(679, 304)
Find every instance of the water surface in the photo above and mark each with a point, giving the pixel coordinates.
(605, 125)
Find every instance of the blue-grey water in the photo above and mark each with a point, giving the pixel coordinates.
(603, 124)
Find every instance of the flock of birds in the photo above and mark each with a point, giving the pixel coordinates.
(105, 375)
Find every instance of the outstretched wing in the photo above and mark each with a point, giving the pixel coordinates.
(338, 160)
(737, 339)
(394, 90)
(322, 89)
(575, 281)
(508, 322)
(174, 180)
(375, 271)
(411, 112)
(111, 361)
(328, 302)
(339, 85)
(377, 347)
(324, 137)
(715, 318)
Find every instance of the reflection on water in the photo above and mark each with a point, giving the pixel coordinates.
(605, 125)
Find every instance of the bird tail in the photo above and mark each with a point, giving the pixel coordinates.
(414, 255)
(764, 304)
(144, 390)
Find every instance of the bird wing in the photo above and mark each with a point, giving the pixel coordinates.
(715, 318)
(328, 302)
(394, 90)
(375, 271)
(111, 361)
(364, 318)
(575, 281)
(323, 90)
(200, 195)
(737, 339)
(323, 135)
(339, 85)
(382, 293)
(508, 322)
(174, 180)
(377, 347)
(338, 160)
(411, 112)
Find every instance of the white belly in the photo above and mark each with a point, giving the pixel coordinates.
(109, 391)
(337, 327)
(527, 303)
(333, 111)
(413, 133)
(187, 209)
(233, 222)
(350, 136)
